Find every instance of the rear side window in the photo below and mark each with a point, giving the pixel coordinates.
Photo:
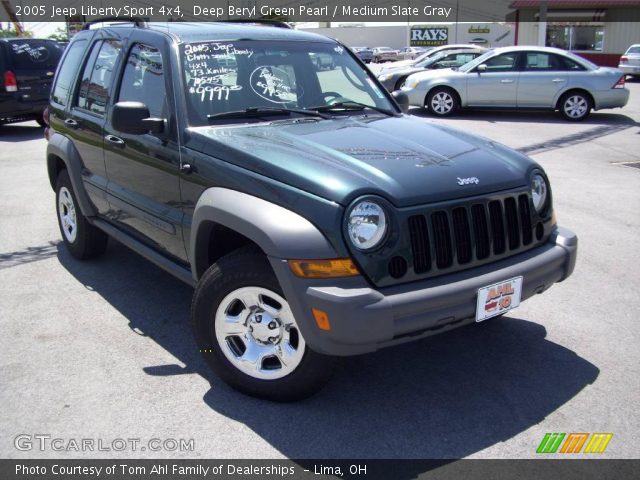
(68, 71)
(29, 54)
(97, 76)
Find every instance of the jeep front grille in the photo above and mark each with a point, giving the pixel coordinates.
(462, 234)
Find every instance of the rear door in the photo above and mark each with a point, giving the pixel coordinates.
(34, 62)
(84, 122)
(497, 86)
(543, 77)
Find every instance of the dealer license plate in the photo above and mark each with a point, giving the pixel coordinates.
(498, 298)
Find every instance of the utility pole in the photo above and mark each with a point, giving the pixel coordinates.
(6, 4)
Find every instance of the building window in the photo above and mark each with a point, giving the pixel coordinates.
(576, 37)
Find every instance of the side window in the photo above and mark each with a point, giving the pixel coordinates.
(570, 65)
(97, 76)
(143, 79)
(502, 63)
(538, 61)
(67, 73)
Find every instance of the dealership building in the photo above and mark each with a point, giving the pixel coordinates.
(600, 30)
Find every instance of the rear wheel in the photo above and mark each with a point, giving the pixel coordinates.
(248, 334)
(83, 240)
(441, 102)
(575, 106)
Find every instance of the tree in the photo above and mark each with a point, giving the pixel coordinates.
(9, 33)
(60, 35)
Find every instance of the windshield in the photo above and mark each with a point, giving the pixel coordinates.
(33, 54)
(634, 49)
(234, 76)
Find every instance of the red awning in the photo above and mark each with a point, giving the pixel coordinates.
(576, 3)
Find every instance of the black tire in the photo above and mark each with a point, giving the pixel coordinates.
(240, 269)
(400, 83)
(448, 103)
(575, 106)
(88, 241)
(41, 121)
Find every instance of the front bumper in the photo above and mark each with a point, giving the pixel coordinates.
(364, 319)
(416, 96)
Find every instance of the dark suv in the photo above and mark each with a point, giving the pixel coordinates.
(27, 66)
(312, 216)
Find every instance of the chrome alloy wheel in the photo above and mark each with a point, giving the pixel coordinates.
(258, 334)
(67, 213)
(576, 106)
(441, 103)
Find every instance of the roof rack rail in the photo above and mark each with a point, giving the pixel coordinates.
(139, 22)
(261, 21)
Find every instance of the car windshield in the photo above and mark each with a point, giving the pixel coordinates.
(634, 49)
(478, 61)
(429, 60)
(227, 76)
(34, 54)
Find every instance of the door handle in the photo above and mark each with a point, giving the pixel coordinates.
(70, 122)
(506, 81)
(558, 80)
(116, 141)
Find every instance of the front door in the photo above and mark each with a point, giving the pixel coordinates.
(497, 86)
(144, 192)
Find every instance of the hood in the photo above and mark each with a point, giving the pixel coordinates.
(403, 159)
(426, 75)
(396, 65)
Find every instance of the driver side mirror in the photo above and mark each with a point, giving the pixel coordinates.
(481, 68)
(402, 99)
(134, 118)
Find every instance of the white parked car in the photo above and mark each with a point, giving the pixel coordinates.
(630, 61)
(384, 54)
(521, 77)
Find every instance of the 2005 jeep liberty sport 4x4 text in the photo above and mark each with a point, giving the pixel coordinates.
(313, 217)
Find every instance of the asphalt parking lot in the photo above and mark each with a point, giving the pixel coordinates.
(103, 349)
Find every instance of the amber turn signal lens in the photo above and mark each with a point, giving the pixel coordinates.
(322, 319)
(340, 267)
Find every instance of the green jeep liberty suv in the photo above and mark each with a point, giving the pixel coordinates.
(313, 217)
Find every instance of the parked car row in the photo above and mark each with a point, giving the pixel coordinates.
(393, 78)
(523, 78)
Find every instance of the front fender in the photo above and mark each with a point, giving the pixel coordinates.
(279, 232)
(60, 147)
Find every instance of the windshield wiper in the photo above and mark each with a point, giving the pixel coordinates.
(264, 111)
(351, 105)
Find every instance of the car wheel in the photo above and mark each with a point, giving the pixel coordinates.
(400, 83)
(83, 240)
(248, 334)
(575, 106)
(441, 102)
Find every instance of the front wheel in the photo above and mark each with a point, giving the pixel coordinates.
(441, 102)
(248, 334)
(575, 106)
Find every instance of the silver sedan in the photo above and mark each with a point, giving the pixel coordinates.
(521, 77)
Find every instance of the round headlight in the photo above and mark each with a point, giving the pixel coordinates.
(367, 225)
(539, 192)
(382, 78)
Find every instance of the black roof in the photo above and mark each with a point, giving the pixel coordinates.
(187, 32)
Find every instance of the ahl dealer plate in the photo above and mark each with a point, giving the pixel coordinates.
(498, 298)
